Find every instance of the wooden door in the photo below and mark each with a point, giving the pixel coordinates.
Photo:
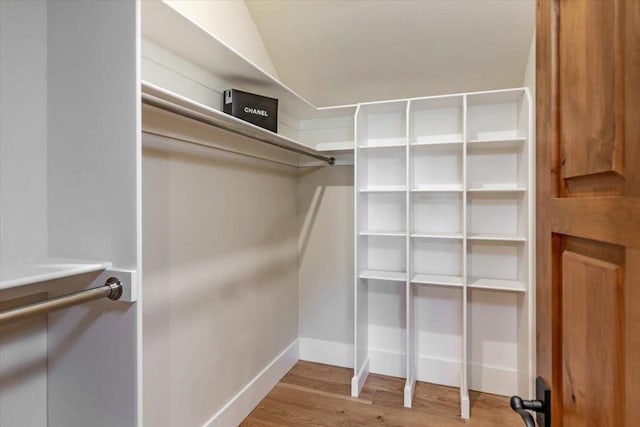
(588, 210)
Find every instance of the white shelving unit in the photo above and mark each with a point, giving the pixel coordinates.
(70, 212)
(444, 207)
(22, 272)
(327, 129)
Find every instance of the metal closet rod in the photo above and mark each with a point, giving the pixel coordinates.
(112, 289)
(203, 118)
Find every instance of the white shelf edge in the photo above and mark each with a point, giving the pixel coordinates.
(18, 273)
(436, 143)
(382, 146)
(452, 236)
(497, 190)
(484, 146)
(443, 189)
(382, 189)
(394, 276)
(498, 285)
(496, 237)
(341, 148)
(383, 233)
(438, 280)
(496, 140)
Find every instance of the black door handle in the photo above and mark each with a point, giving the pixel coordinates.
(521, 407)
(542, 406)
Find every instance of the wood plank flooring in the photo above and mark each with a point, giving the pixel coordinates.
(312, 394)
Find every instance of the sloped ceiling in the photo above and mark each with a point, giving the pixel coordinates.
(347, 51)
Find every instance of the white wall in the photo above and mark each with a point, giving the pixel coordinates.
(529, 79)
(219, 243)
(220, 278)
(231, 22)
(325, 242)
(23, 128)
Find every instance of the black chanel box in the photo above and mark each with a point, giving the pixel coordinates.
(256, 109)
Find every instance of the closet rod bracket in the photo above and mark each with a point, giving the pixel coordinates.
(116, 288)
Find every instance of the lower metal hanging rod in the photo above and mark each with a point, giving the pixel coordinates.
(112, 289)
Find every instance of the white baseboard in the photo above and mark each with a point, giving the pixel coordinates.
(241, 405)
(465, 405)
(409, 386)
(327, 352)
(488, 379)
(358, 380)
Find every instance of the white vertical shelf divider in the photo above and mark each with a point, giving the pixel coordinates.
(361, 341)
(465, 407)
(411, 330)
(466, 221)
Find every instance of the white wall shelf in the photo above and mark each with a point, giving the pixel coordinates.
(384, 189)
(438, 280)
(461, 168)
(436, 143)
(496, 144)
(169, 28)
(383, 146)
(159, 98)
(434, 235)
(498, 285)
(182, 56)
(497, 189)
(383, 233)
(497, 237)
(395, 276)
(443, 188)
(25, 272)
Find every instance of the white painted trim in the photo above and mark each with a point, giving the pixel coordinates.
(241, 405)
(465, 405)
(409, 387)
(358, 380)
(420, 98)
(327, 352)
(488, 379)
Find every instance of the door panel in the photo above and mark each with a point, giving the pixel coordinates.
(588, 210)
(590, 360)
(591, 86)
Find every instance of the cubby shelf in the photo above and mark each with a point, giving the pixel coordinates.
(453, 188)
(383, 233)
(395, 276)
(497, 237)
(382, 146)
(498, 285)
(435, 143)
(384, 189)
(438, 235)
(496, 144)
(438, 280)
(496, 189)
(467, 214)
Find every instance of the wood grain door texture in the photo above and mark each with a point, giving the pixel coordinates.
(588, 210)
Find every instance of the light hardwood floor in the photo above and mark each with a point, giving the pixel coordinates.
(312, 394)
